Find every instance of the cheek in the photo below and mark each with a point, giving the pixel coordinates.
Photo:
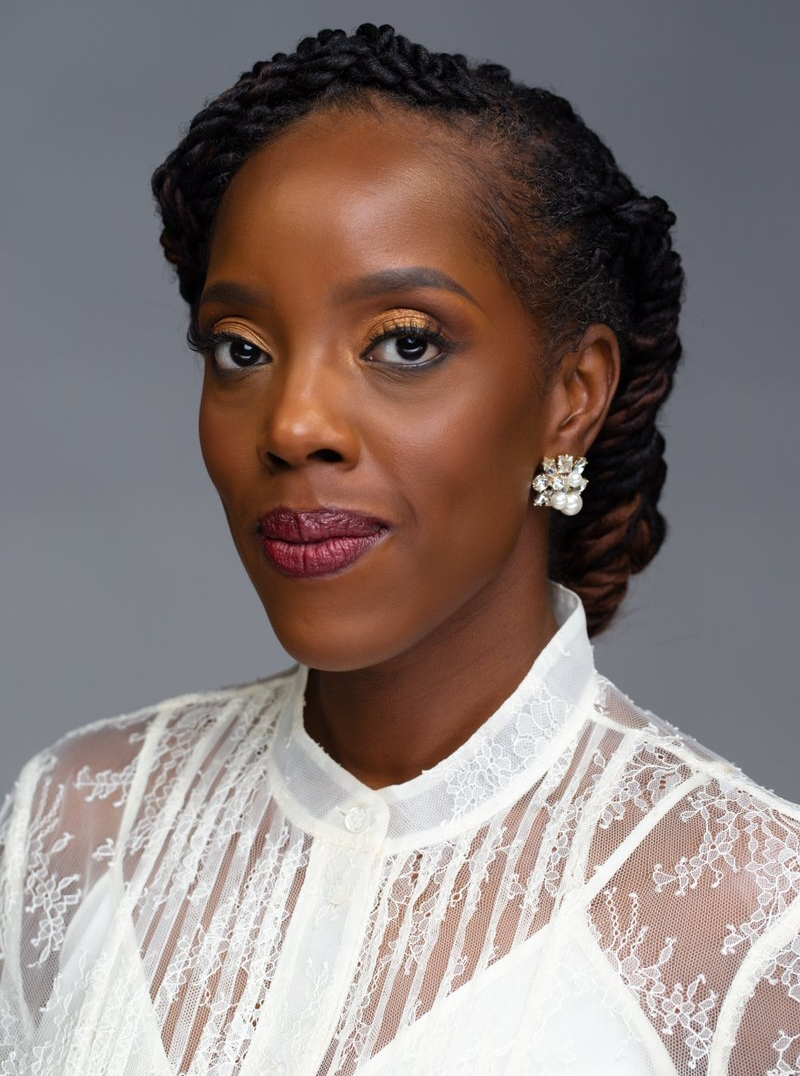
(229, 454)
(223, 447)
(209, 442)
(232, 465)
(467, 477)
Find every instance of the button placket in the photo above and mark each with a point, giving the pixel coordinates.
(318, 955)
(338, 886)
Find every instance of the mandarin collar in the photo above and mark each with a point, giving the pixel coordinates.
(515, 747)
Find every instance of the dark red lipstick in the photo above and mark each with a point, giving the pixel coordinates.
(318, 542)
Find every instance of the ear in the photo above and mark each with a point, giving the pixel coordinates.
(580, 392)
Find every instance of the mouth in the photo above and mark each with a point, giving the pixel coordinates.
(319, 542)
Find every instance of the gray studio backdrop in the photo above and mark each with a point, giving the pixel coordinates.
(118, 582)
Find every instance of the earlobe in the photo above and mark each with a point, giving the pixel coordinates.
(584, 386)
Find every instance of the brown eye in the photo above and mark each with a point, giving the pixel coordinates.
(236, 353)
(411, 348)
(408, 348)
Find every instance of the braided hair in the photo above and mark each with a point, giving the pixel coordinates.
(574, 238)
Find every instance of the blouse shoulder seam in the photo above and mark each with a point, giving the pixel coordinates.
(165, 706)
(717, 768)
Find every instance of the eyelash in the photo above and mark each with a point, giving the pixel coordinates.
(206, 343)
(422, 332)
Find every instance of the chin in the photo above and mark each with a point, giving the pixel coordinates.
(332, 654)
(343, 642)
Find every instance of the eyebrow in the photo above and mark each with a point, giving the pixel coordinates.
(227, 291)
(393, 280)
(365, 287)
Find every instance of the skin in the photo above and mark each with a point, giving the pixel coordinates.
(414, 645)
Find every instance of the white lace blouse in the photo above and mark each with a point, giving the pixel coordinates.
(578, 889)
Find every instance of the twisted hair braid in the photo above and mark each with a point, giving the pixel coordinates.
(575, 239)
(330, 67)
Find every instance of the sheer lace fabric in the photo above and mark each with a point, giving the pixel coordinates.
(579, 889)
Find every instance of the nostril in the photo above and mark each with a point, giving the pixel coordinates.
(326, 455)
(277, 461)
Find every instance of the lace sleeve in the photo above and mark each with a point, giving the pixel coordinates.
(58, 835)
(701, 924)
(761, 1030)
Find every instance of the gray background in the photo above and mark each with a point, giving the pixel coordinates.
(118, 581)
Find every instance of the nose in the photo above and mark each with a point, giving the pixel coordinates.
(308, 418)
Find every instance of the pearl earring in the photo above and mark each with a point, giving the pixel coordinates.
(559, 484)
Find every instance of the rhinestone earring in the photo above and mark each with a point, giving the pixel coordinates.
(559, 484)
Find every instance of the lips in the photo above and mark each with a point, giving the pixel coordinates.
(318, 542)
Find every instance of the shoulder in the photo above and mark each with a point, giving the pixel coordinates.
(653, 759)
(99, 762)
(681, 821)
(90, 806)
(186, 717)
(693, 889)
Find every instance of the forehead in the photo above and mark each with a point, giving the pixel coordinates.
(371, 146)
(378, 182)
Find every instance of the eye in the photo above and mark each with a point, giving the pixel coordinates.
(408, 346)
(231, 352)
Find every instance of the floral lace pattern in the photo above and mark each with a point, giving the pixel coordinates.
(740, 833)
(787, 1055)
(678, 1010)
(196, 890)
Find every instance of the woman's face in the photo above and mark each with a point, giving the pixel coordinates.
(366, 356)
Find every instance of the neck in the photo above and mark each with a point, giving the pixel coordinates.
(388, 723)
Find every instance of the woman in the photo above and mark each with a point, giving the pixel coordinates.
(425, 296)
